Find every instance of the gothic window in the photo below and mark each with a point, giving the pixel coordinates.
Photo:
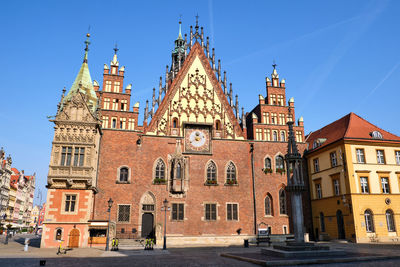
(268, 205)
(283, 136)
(66, 154)
(282, 202)
(369, 221)
(70, 201)
(217, 125)
(114, 123)
(210, 212)
(160, 170)
(59, 234)
(390, 221)
(122, 122)
(275, 136)
(124, 213)
(231, 173)
(279, 162)
(175, 123)
(177, 211)
(211, 172)
(123, 174)
(79, 155)
(267, 163)
(178, 171)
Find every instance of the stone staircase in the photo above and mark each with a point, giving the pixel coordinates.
(130, 244)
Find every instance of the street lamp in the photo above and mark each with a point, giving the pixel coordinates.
(110, 202)
(165, 204)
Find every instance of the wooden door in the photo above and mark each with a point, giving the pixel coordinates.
(147, 225)
(340, 225)
(73, 238)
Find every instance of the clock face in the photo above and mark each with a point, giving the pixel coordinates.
(197, 139)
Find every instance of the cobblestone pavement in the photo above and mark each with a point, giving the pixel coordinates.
(13, 255)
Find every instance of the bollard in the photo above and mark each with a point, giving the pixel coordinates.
(246, 243)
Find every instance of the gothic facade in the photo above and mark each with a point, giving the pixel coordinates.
(223, 173)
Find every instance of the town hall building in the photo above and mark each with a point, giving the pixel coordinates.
(220, 170)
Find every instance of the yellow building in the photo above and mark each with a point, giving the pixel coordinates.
(354, 176)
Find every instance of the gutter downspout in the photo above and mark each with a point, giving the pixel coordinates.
(254, 187)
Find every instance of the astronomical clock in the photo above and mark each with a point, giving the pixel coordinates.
(197, 139)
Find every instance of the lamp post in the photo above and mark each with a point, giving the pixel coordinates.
(110, 202)
(165, 205)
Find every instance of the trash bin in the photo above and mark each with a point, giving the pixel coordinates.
(246, 243)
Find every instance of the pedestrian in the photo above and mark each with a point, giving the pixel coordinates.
(113, 244)
(116, 243)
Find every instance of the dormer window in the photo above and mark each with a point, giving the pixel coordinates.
(376, 135)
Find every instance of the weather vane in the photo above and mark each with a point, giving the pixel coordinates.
(274, 64)
(116, 48)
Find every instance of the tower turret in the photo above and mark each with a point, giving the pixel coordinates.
(178, 54)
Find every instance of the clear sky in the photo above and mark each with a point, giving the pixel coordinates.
(336, 56)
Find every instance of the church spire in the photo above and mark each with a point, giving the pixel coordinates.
(83, 82)
(178, 54)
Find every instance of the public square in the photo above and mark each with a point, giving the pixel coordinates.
(13, 255)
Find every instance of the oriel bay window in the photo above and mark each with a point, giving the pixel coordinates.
(66, 156)
(178, 211)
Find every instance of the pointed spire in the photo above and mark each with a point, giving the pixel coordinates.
(224, 82)
(146, 112)
(213, 58)
(230, 95)
(180, 29)
(219, 70)
(153, 103)
(237, 106)
(208, 47)
(166, 79)
(274, 74)
(114, 61)
(243, 119)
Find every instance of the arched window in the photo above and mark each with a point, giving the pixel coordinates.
(322, 221)
(369, 221)
(175, 123)
(211, 171)
(59, 234)
(160, 170)
(282, 202)
(274, 135)
(268, 205)
(279, 162)
(231, 173)
(283, 136)
(390, 221)
(217, 125)
(178, 171)
(123, 174)
(114, 123)
(267, 163)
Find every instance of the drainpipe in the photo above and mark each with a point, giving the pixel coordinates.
(254, 187)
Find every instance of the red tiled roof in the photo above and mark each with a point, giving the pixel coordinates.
(15, 170)
(14, 181)
(350, 126)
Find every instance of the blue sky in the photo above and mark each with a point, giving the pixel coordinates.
(336, 56)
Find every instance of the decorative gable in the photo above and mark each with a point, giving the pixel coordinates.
(195, 97)
(77, 110)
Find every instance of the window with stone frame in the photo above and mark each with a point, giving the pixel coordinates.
(231, 174)
(267, 164)
(70, 202)
(59, 234)
(211, 172)
(105, 122)
(159, 174)
(116, 87)
(279, 163)
(124, 213)
(283, 136)
(299, 136)
(178, 210)
(123, 174)
(318, 189)
(79, 156)
(275, 136)
(232, 212)
(66, 155)
(336, 187)
(131, 124)
(268, 205)
(282, 202)
(106, 103)
(108, 86)
(316, 165)
(210, 210)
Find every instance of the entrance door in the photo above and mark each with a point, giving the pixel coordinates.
(147, 225)
(73, 238)
(340, 225)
